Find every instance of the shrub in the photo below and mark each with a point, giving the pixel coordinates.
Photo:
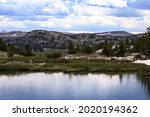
(86, 49)
(54, 54)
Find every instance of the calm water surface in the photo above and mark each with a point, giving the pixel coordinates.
(60, 86)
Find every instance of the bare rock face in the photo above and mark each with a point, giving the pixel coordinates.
(42, 39)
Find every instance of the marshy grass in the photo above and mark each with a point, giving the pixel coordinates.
(40, 63)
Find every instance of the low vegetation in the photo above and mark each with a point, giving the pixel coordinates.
(54, 54)
(34, 63)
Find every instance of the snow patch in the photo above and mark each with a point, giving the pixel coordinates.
(147, 62)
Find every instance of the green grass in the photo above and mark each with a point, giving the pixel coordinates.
(40, 63)
(14, 67)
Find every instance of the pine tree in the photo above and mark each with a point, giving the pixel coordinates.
(28, 51)
(71, 48)
(121, 49)
(143, 44)
(86, 49)
(3, 46)
(107, 49)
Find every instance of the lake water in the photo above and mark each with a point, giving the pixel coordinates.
(60, 86)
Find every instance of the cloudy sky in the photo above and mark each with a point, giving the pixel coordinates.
(75, 15)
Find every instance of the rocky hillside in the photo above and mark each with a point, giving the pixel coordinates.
(42, 39)
(11, 35)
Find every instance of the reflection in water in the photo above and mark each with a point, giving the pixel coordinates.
(56, 86)
(145, 83)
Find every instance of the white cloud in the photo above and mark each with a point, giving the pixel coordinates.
(56, 22)
(70, 21)
(11, 23)
(146, 21)
(3, 18)
(83, 9)
(56, 6)
(3, 1)
(47, 24)
(131, 23)
(31, 7)
(78, 15)
(114, 3)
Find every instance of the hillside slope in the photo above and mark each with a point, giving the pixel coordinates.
(39, 39)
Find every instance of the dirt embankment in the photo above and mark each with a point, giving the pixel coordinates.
(3, 55)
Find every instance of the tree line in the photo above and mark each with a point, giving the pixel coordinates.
(109, 48)
(11, 50)
(143, 43)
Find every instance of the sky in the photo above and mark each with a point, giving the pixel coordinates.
(75, 15)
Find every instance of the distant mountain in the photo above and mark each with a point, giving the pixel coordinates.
(39, 39)
(115, 33)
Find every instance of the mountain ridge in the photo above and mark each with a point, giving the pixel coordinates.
(38, 39)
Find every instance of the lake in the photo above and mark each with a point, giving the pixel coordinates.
(60, 86)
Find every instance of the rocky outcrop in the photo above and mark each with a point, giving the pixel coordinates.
(128, 58)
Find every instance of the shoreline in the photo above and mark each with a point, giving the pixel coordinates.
(42, 64)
